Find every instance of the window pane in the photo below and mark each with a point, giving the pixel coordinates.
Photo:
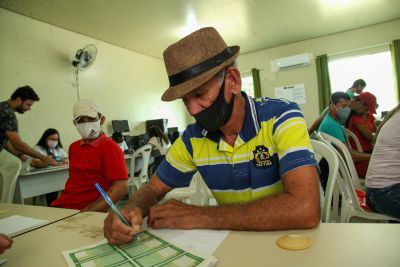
(375, 69)
(247, 84)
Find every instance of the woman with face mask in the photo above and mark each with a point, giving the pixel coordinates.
(50, 145)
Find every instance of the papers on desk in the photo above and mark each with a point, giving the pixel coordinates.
(146, 250)
(200, 240)
(15, 225)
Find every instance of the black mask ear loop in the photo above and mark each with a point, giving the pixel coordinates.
(218, 114)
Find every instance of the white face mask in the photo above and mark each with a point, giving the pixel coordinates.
(52, 143)
(89, 130)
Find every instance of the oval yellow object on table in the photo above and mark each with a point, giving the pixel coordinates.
(294, 242)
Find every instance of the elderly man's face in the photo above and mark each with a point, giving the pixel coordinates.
(203, 96)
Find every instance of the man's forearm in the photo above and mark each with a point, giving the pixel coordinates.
(359, 156)
(116, 193)
(11, 149)
(279, 212)
(25, 149)
(143, 199)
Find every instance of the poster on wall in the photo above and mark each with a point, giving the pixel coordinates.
(295, 93)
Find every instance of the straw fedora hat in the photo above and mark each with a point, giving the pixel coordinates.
(194, 60)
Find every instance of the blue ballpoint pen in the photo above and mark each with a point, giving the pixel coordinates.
(111, 204)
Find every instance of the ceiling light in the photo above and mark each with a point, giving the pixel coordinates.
(191, 25)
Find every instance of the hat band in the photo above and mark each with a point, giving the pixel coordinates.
(198, 69)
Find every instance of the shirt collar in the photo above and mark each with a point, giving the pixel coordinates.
(250, 126)
(96, 142)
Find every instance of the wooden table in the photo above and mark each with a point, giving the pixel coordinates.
(336, 245)
(43, 213)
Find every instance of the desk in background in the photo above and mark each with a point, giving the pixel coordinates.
(333, 245)
(36, 182)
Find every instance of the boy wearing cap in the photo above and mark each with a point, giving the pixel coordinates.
(255, 157)
(95, 158)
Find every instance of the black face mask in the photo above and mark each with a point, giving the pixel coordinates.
(216, 115)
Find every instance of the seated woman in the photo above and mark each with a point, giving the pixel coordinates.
(119, 139)
(362, 122)
(50, 145)
(383, 176)
(160, 143)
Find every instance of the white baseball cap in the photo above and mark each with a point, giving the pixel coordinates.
(85, 107)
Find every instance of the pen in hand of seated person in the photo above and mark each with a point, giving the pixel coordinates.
(112, 205)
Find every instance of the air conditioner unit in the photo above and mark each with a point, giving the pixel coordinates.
(291, 62)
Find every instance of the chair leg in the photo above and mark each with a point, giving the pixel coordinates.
(335, 206)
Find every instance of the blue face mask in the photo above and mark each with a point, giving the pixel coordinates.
(343, 114)
(216, 115)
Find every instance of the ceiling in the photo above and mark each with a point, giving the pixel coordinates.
(149, 26)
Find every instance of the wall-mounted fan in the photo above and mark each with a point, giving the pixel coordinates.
(83, 59)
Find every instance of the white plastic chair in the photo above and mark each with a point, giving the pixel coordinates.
(345, 153)
(350, 135)
(322, 150)
(350, 204)
(197, 193)
(9, 173)
(135, 182)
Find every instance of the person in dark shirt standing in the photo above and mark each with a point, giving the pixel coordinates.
(21, 101)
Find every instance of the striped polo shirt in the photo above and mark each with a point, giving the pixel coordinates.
(273, 141)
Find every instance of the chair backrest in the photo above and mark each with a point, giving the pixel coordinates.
(9, 173)
(322, 150)
(141, 156)
(349, 135)
(344, 179)
(345, 153)
(351, 206)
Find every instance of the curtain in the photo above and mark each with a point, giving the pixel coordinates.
(395, 52)
(324, 84)
(256, 82)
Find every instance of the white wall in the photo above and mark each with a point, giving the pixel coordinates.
(331, 44)
(127, 85)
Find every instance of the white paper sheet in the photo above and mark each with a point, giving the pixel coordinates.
(199, 240)
(14, 225)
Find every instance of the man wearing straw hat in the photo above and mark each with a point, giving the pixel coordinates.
(255, 156)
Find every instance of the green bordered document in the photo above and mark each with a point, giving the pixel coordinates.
(146, 250)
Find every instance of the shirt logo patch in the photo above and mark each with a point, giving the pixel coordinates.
(262, 158)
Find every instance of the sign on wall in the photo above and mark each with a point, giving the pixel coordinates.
(295, 93)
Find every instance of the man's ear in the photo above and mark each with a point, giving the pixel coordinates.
(233, 80)
(102, 120)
